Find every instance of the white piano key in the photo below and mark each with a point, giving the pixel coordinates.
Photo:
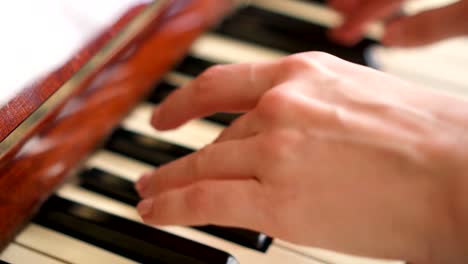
(132, 169)
(117, 164)
(222, 49)
(177, 79)
(18, 254)
(412, 7)
(312, 12)
(66, 248)
(195, 134)
(440, 66)
(275, 255)
(437, 67)
(320, 14)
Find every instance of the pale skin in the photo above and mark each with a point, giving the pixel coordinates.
(329, 154)
(406, 31)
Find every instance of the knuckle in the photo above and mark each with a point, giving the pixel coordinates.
(198, 200)
(310, 61)
(295, 63)
(198, 161)
(319, 56)
(280, 144)
(274, 104)
(438, 148)
(204, 84)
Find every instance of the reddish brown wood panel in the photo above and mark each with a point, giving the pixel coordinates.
(34, 169)
(30, 98)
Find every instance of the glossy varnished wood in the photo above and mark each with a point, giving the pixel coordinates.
(30, 98)
(34, 168)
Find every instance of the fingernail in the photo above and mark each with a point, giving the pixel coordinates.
(145, 207)
(142, 185)
(156, 118)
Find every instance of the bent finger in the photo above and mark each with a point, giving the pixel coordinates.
(222, 161)
(226, 203)
(223, 88)
(243, 127)
(355, 23)
(428, 27)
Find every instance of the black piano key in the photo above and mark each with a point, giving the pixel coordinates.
(190, 66)
(144, 148)
(244, 237)
(193, 66)
(109, 185)
(287, 33)
(156, 152)
(124, 237)
(160, 92)
(123, 190)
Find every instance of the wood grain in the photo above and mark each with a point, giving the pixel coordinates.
(32, 170)
(30, 98)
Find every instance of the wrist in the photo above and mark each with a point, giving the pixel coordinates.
(448, 152)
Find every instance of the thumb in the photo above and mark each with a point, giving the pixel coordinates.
(428, 27)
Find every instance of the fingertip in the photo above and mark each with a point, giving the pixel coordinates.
(143, 184)
(159, 121)
(145, 208)
(156, 119)
(343, 36)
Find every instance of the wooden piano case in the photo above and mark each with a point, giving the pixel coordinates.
(87, 98)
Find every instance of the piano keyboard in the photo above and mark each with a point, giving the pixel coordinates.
(92, 218)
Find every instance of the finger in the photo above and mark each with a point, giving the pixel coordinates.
(243, 127)
(429, 26)
(226, 160)
(226, 203)
(354, 26)
(228, 88)
(344, 6)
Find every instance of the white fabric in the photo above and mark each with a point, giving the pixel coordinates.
(38, 36)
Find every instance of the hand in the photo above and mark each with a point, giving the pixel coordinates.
(329, 154)
(420, 29)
